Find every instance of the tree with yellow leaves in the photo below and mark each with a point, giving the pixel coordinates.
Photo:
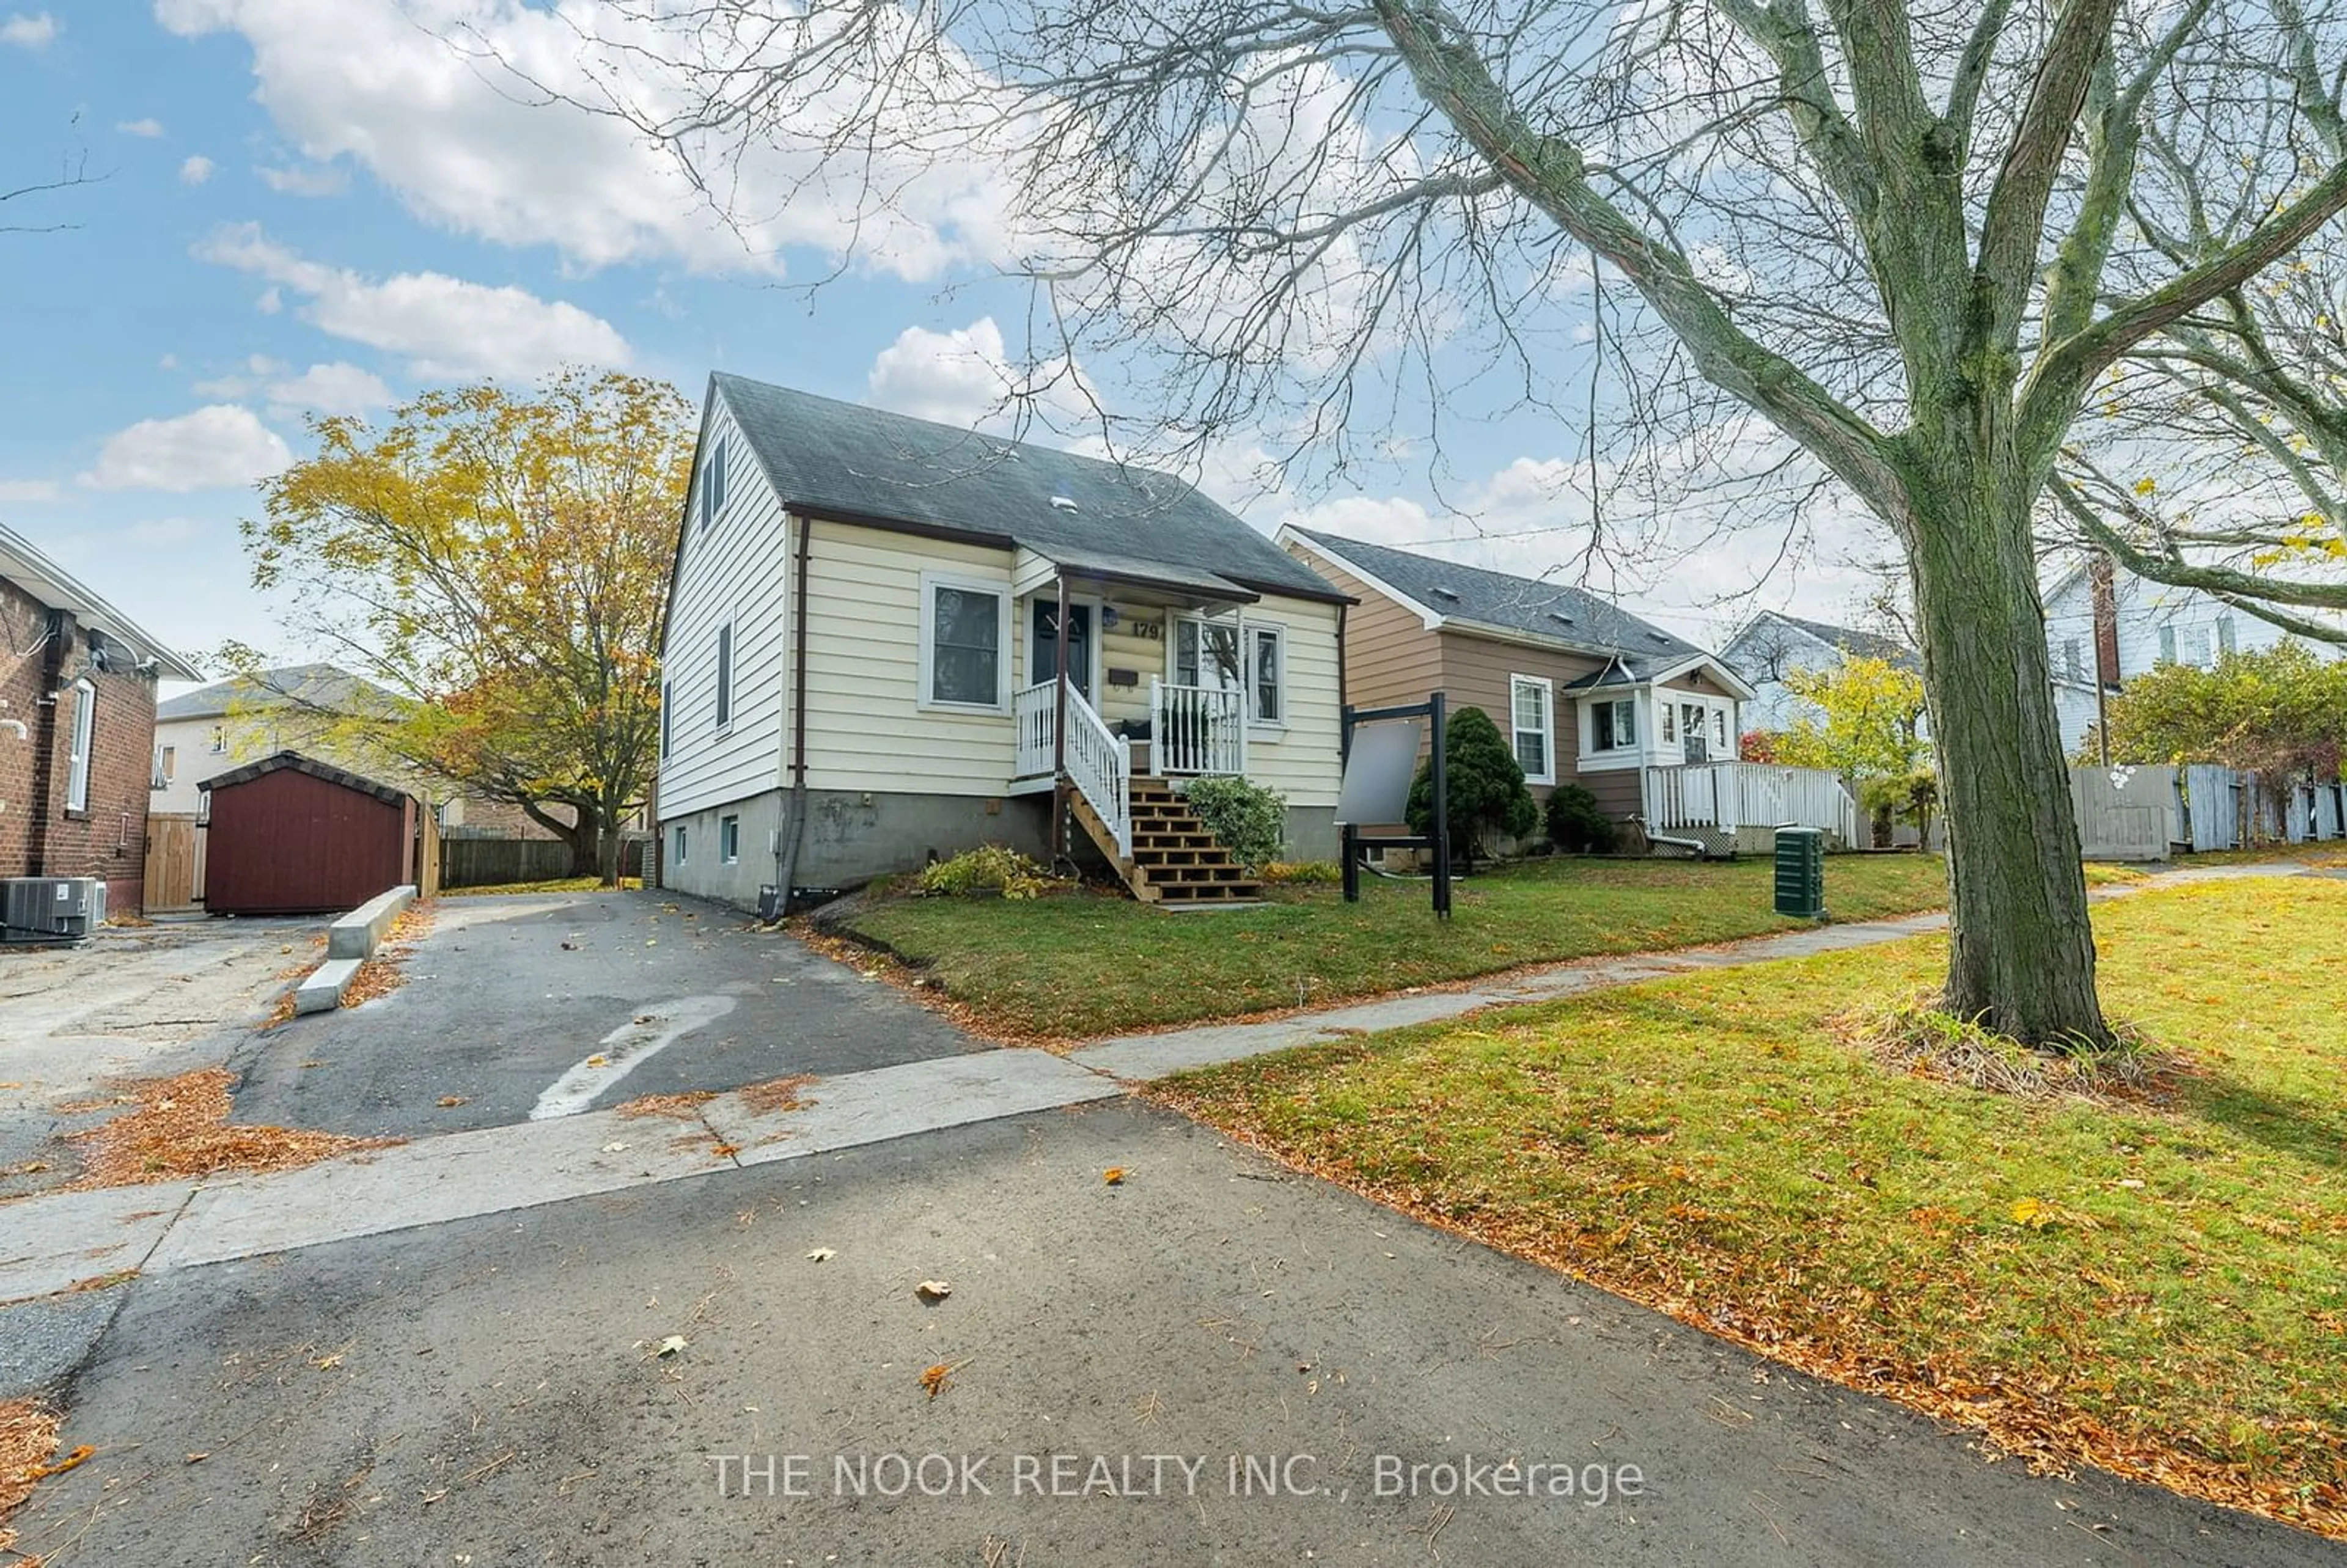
(1866, 725)
(500, 560)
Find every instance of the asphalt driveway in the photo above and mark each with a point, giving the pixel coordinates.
(509, 997)
(1215, 1362)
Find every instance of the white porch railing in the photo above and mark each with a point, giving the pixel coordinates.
(1197, 728)
(1729, 795)
(1098, 765)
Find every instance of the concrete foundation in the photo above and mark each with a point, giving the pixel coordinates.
(852, 836)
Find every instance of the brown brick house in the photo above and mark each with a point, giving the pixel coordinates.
(1586, 692)
(76, 727)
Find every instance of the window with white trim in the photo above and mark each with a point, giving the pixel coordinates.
(729, 839)
(85, 731)
(1614, 726)
(712, 482)
(1267, 677)
(679, 856)
(169, 768)
(1670, 722)
(965, 642)
(1532, 702)
(220, 740)
(725, 676)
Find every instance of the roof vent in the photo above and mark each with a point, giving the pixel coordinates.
(1063, 503)
(1662, 636)
(1560, 618)
(1446, 593)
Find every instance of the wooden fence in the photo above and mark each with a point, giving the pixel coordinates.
(2228, 808)
(497, 862)
(175, 863)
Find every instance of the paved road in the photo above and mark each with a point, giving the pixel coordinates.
(486, 1392)
(509, 994)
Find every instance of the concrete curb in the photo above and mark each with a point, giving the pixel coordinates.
(357, 934)
(323, 989)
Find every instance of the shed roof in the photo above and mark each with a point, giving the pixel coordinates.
(858, 464)
(310, 766)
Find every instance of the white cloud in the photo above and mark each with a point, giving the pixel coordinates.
(37, 31)
(195, 170)
(223, 446)
(443, 327)
(310, 179)
(444, 101)
(19, 491)
(149, 128)
(158, 532)
(965, 377)
(327, 389)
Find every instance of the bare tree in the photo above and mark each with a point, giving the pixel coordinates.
(2214, 456)
(1909, 237)
(73, 169)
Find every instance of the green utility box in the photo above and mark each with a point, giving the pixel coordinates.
(1801, 873)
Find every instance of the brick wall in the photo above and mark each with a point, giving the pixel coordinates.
(45, 837)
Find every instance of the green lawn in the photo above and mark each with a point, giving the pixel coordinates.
(1084, 964)
(2160, 1288)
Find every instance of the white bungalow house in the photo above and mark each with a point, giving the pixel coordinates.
(863, 658)
(1772, 646)
(2104, 623)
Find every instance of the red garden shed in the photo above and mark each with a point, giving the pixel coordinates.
(292, 835)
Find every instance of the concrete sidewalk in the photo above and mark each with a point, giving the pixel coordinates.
(59, 1241)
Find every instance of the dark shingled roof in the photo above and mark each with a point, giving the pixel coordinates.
(315, 686)
(850, 462)
(1500, 599)
(310, 766)
(1865, 644)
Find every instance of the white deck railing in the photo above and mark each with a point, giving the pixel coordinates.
(1197, 728)
(1729, 795)
(1099, 764)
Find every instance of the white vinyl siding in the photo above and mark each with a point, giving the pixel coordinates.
(1300, 759)
(866, 726)
(736, 574)
(1532, 700)
(85, 731)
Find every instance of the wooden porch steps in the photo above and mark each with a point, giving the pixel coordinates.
(1174, 860)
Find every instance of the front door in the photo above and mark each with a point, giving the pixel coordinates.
(1695, 723)
(1044, 644)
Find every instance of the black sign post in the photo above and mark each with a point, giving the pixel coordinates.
(1438, 841)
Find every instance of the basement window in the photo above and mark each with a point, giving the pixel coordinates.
(729, 839)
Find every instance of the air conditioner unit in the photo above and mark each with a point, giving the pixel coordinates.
(51, 908)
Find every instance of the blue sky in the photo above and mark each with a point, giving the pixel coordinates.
(301, 205)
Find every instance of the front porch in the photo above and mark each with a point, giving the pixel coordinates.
(1727, 808)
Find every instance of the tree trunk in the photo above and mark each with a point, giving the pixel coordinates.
(2022, 956)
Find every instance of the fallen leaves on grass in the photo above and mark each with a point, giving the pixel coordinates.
(28, 1437)
(1915, 1036)
(776, 1095)
(180, 1128)
(683, 1107)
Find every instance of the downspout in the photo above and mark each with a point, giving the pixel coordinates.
(787, 853)
(44, 748)
(1060, 726)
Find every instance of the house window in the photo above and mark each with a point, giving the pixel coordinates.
(170, 769)
(1206, 653)
(725, 675)
(2074, 661)
(1670, 717)
(83, 731)
(964, 630)
(220, 740)
(729, 839)
(668, 707)
(2224, 635)
(1615, 726)
(712, 482)
(1268, 686)
(1719, 728)
(679, 855)
(1535, 727)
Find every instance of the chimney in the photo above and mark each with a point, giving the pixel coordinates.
(2100, 576)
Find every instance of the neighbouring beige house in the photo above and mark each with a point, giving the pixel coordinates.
(203, 733)
(867, 630)
(1587, 693)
